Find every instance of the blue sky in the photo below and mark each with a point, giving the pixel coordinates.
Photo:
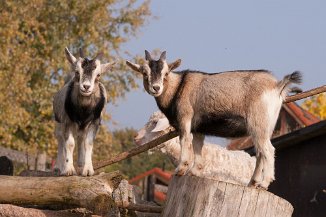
(213, 36)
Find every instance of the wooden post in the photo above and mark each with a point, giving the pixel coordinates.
(193, 196)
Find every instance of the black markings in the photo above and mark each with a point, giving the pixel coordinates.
(156, 69)
(83, 115)
(89, 66)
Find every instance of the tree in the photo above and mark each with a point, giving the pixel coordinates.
(33, 35)
(316, 105)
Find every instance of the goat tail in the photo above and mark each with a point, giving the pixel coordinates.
(294, 78)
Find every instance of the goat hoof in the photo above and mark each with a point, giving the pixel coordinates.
(182, 169)
(258, 185)
(196, 170)
(69, 171)
(87, 171)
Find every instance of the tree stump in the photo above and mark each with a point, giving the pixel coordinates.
(194, 196)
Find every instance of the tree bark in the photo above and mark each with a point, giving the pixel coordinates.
(193, 196)
(93, 193)
(7, 210)
(102, 194)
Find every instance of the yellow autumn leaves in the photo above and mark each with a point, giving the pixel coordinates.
(316, 105)
(33, 35)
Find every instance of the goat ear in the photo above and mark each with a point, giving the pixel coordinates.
(106, 67)
(70, 57)
(147, 56)
(174, 65)
(133, 66)
(161, 125)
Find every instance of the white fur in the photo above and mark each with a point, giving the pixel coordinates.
(161, 125)
(67, 132)
(214, 162)
(68, 165)
(88, 146)
(273, 102)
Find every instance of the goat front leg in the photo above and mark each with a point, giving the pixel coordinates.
(198, 143)
(59, 164)
(68, 167)
(187, 154)
(87, 145)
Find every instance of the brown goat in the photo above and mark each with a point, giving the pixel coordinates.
(228, 104)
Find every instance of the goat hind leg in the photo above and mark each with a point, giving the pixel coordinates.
(264, 171)
(257, 175)
(81, 151)
(269, 167)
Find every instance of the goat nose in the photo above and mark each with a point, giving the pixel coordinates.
(86, 86)
(156, 88)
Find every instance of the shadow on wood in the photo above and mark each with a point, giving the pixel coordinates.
(193, 196)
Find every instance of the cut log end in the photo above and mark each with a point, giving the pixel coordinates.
(194, 196)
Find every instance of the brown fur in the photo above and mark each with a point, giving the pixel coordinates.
(227, 104)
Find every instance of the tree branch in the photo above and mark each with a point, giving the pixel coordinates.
(305, 94)
(137, 150)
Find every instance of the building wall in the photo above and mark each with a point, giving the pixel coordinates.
(301, 176)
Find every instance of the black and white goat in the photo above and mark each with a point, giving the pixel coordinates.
(78, 107)
(229, 104)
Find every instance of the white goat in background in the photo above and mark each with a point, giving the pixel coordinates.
(228, 104)
(218, 163)
(77, 108)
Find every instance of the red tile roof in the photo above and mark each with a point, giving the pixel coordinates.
(164, 176)
(161, 175)
(305, 117)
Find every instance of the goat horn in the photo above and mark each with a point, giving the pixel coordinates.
(99, 55)
(163, 56)
(148, 56)
(81, 53)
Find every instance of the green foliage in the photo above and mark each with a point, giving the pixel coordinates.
(33, 34)
(123, 140)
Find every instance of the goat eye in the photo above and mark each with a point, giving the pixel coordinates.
(77, 73)
(98, 75)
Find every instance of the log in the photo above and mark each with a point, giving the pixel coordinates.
(7, 210)
(194, 196)
(100, 194)
(93, 193)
